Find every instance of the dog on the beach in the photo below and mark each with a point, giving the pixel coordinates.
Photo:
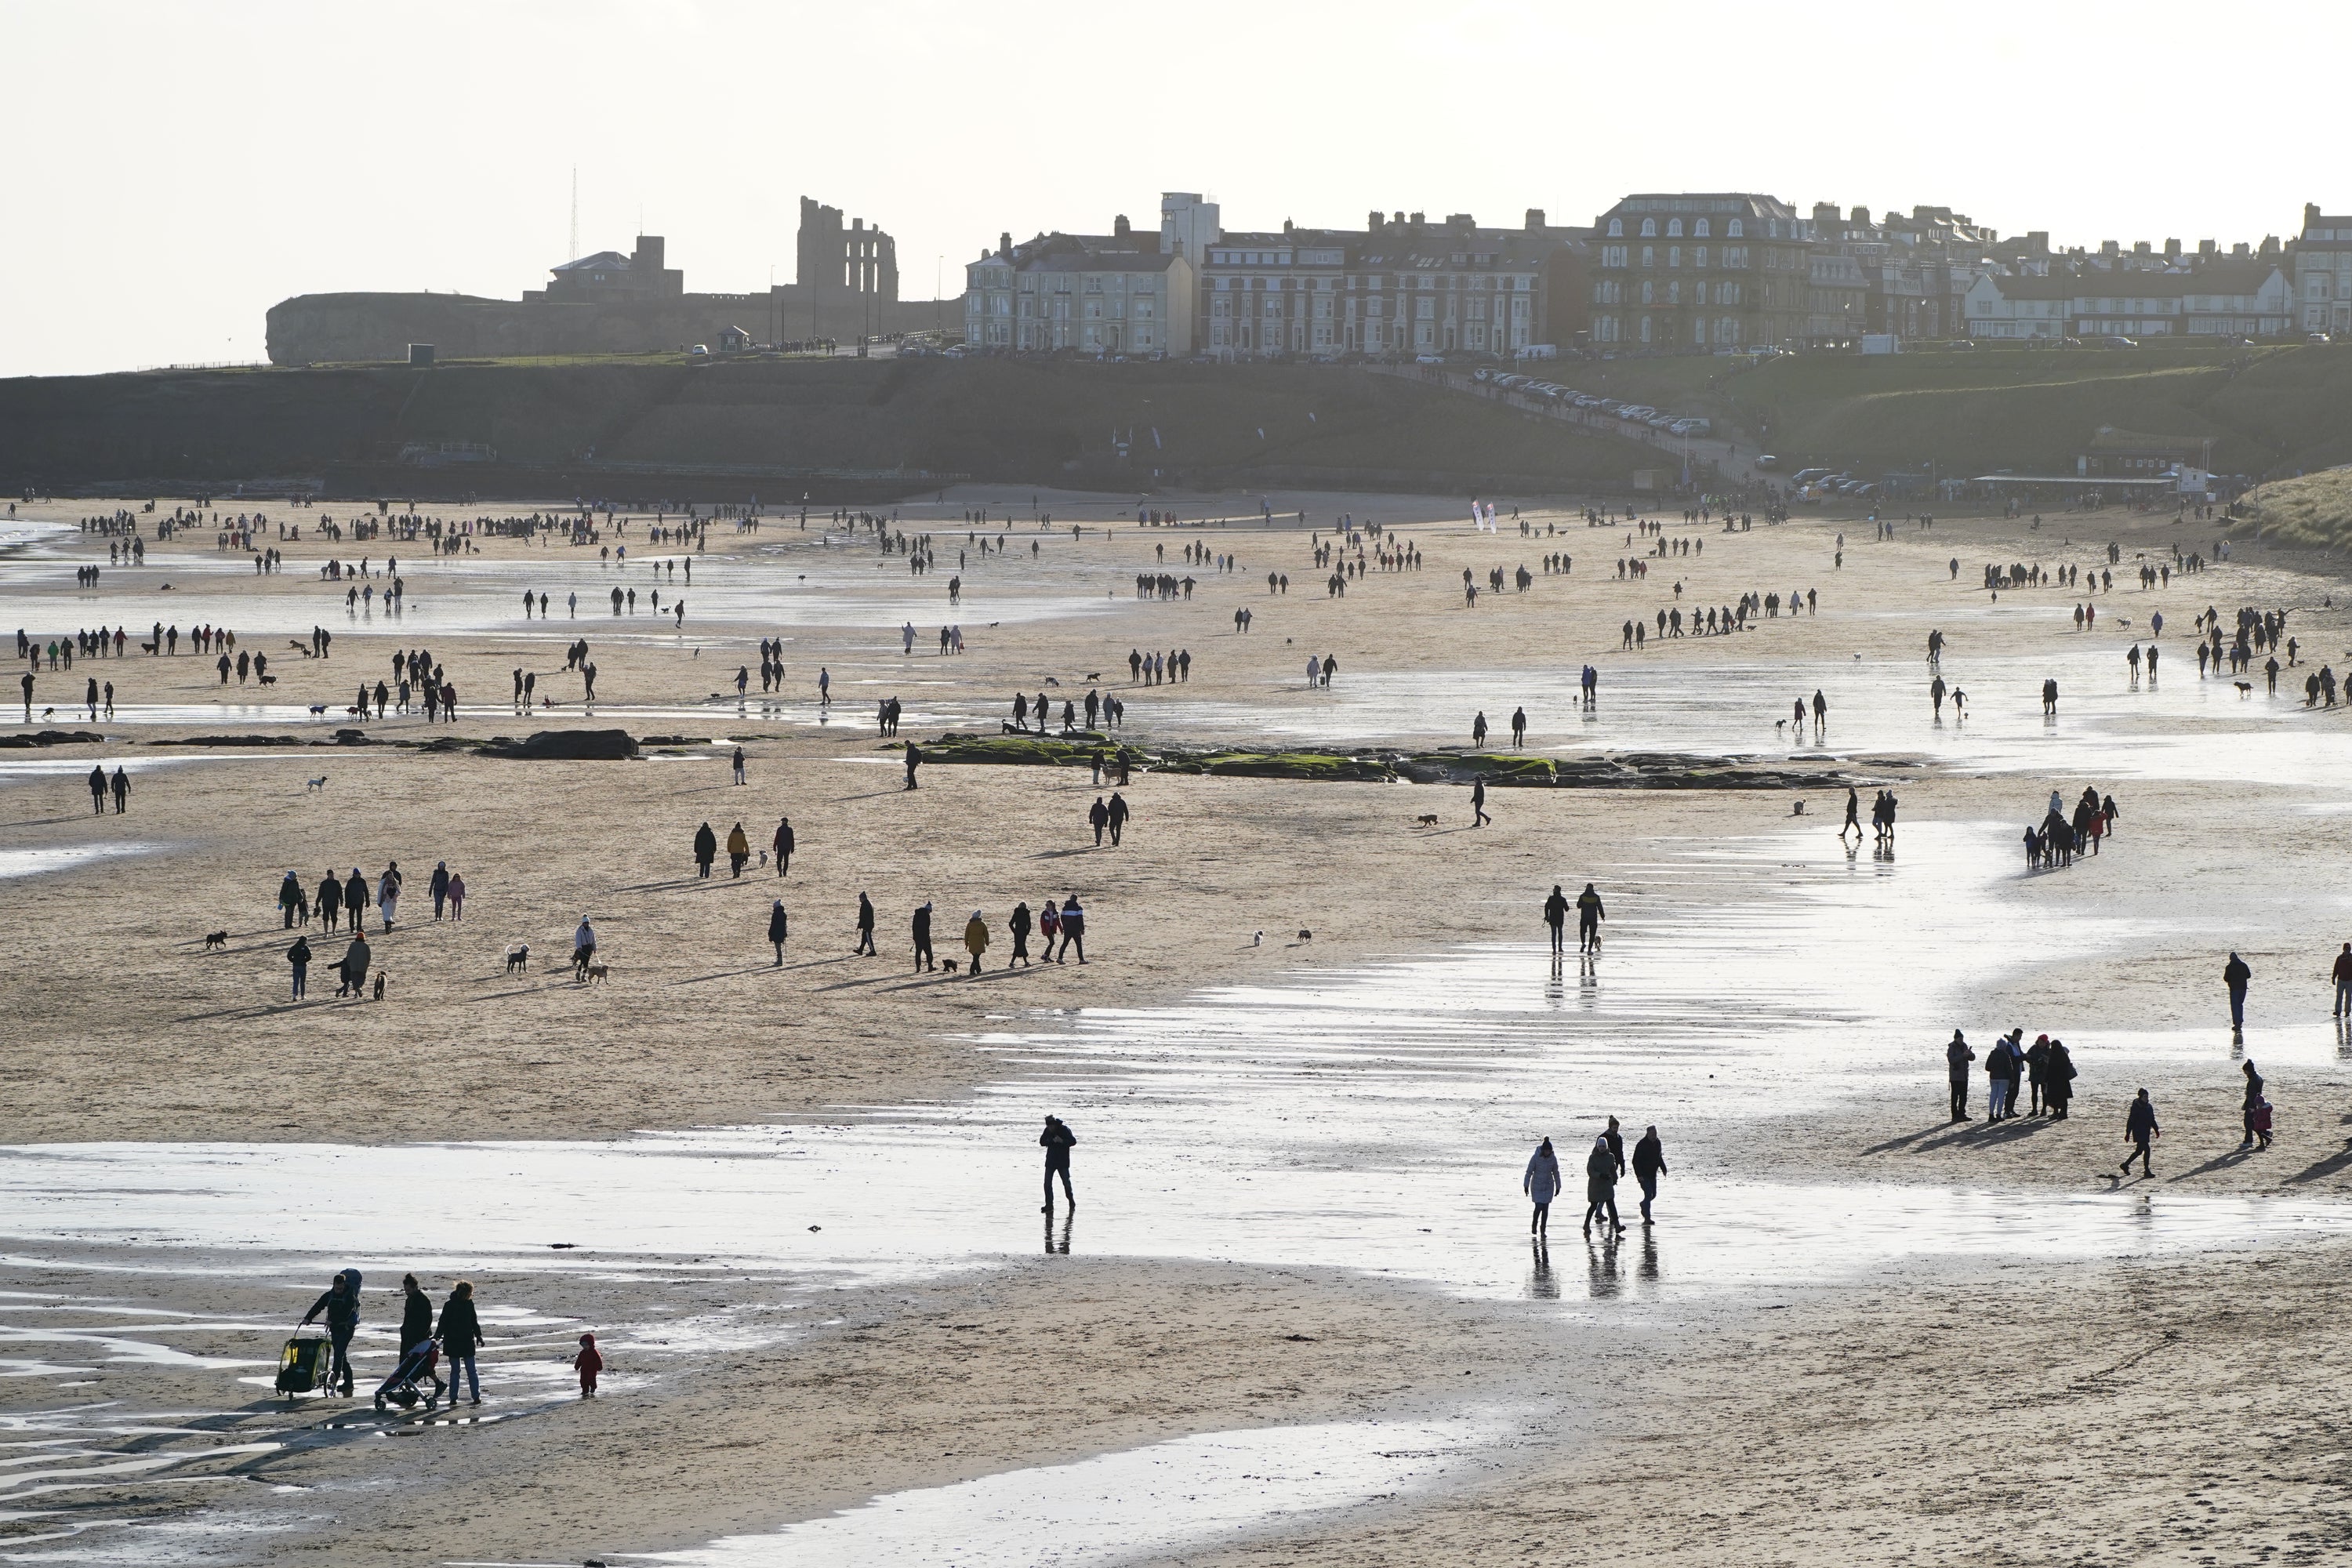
(1258, 940)
(316, 783)
(596, 973)
(215, 938)
(518, 957)
(267, 679)
(318, 709)
(949, 965)
(1306, 935)
(1428, 821)
(381, 976)
(2245, 688)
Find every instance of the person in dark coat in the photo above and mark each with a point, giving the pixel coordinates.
(865, 927)
(440, 886)
(330, 899)
(2141, 1131)
(2057, 1080)
(1018, 924)
(415, 1315)
(1956, 1058)
(922, 933)
(341, 1305)
(706, 849)
(1601, 1187)
(784, 846)
(1098, 818)
(777, 926)
(1074, 928)
(298, 957)
(354, 966)
(355, 900)
(121, 789)
(290, 897)
(1589, 916)
(1649, 1164)
(2253, 1103)
(1120, 812)
(98, 790)
(2234, 974)
(1555, 913)
(1057, 1141)
(461, 1335)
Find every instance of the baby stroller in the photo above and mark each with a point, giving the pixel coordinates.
(401, 1386)
(303, 1366)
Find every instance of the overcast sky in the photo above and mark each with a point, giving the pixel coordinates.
(171, 170)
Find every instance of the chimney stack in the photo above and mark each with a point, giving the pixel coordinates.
(1535, 219)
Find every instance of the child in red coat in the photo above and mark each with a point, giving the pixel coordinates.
(588, 1363)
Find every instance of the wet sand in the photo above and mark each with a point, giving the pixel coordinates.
(1267, 1128)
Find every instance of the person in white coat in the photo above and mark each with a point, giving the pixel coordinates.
(1541, 1184)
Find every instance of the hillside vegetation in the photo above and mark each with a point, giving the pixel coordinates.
(2313, 509)
(1111, 425)
(2269, 410)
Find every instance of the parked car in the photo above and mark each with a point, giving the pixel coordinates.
(2115, 342)
(1767, 462)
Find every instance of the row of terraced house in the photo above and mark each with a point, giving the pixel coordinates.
(1658, 272)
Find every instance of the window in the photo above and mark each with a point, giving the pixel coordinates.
(1735, 229)
(1616, 228)
(1649, 228)
(1673, 228)
(1612, 256)
(1698, 257)
(1699, 230)
(1649, 255)
(1674, 256)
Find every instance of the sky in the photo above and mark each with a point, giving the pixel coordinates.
(170, 171)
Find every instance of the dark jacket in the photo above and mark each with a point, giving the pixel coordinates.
(865, 913)
(706, 845)
(416, 1320)
(1057, 1142)
(1649, 1157)
(356, 891)
(2235, 974)
(460, 1332)
(440, 884)
(299, 955)
(289, 892)
(330, 895)
(2139, 1121)
(783, 845)
(776, 923)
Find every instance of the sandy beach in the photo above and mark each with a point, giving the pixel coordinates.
(1313, 1044)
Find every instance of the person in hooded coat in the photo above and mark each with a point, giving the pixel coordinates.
(1542, 1183)
(355, 900)
(1018, 924)
(777, 927)
(290, 897)
(739, 850)
(299, 958)
(975, 939)
(706, 849)
(1601, 1187)
(354, 968)
(2057, 1080)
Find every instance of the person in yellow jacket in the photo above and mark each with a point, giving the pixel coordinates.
(739, 850)
(975, 939)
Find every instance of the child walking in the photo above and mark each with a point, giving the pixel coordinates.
(588, 1363)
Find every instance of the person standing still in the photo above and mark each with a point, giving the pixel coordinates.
(2234, 974)
(1956, 1058)
(1057, 1141)
(2253, 1102)
(1074, 928)
(2343, 973)
(461, 1336)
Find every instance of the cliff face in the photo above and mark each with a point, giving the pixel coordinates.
(334, 329)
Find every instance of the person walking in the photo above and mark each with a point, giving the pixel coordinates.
(1956, 1058)
(1542, 1183)
(1074, 928)
(1098, 818)
(1478, 818)
(1120, 812)
(439, 886)
(461, 1337)
(583, 948)
(706, 849)
(739, 850)
(353, 969)
(98, 790)
(2343, 975)
(738, 765)
(415, 1316)
(2234, 974)
(289, 899)
(1519, 727)
(1057, 1141)
(2253, 1103)
(921, 928)
(865, 928)
(330, 899)
(914, 760)
(1555, 914)
(341, 1305)
(783, 845)
(387, 893)
(777, 927)
(975, 939)
(1018, 924)
(1601, 1187)
(298, 957)
(457, 897)
(2140, 1131)
(1649, 1164)
(1589, 916)
(1852, 814)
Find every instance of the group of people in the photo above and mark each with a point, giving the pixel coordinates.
(1603, 1165)
(457, 1337)
(2059, 836)
(1064, 923)
(2046, 1067)
(1883, 805)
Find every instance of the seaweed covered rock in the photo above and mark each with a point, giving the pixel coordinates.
(567, 746)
